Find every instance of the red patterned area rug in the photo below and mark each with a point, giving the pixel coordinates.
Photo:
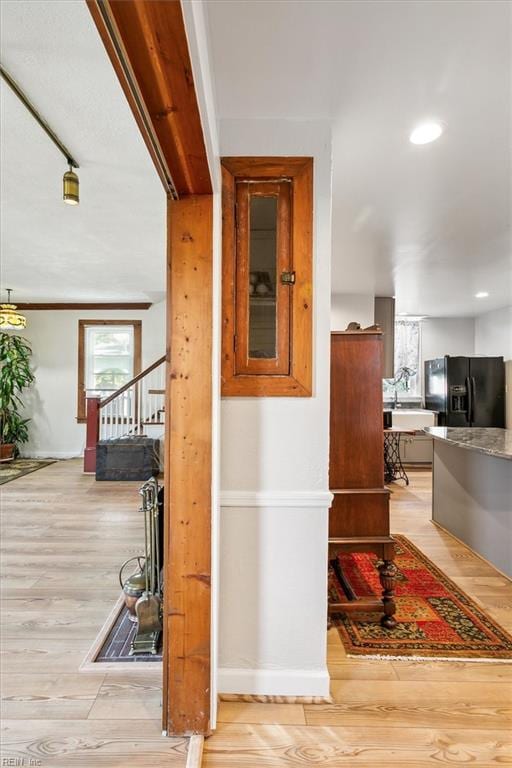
(436, 620)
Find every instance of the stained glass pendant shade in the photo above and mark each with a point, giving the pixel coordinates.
(10, 318)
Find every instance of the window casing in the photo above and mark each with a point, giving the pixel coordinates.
(407, 380)
(267, 285)
(109, 355)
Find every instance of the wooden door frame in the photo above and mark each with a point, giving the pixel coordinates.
(147, 44)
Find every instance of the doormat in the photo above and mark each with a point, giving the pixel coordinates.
(18, 467)
(436, 619)
(111, 648)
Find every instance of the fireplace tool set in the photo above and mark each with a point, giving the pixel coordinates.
(143, 589)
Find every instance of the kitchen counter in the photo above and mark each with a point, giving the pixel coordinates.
(472, 489)
(490, 440)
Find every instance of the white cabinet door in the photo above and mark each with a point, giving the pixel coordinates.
(417, 449)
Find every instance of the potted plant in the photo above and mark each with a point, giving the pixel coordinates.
(15, 376)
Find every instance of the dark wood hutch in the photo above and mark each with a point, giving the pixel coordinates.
(359, 516)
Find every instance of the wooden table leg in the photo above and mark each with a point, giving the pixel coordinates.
(387, 574)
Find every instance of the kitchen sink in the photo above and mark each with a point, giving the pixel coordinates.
(407, 418)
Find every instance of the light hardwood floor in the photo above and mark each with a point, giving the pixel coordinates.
(409, 714)
(64, 537)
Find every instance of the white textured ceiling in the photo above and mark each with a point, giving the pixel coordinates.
(429, 224)
(111, 246)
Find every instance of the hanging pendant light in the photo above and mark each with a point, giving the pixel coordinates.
(10, 318)
(71, 187)
(70, 180)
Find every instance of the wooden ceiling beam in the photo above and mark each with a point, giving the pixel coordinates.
(147, 44)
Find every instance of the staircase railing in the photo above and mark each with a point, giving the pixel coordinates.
(127, 411)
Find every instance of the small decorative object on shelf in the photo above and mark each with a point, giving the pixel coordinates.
(260, 284)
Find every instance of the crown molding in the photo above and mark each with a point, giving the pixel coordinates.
(28, 307)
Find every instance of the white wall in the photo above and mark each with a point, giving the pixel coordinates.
(351, 307)
(52, 401)
(493, 333)
(274, 466)
(447, 336)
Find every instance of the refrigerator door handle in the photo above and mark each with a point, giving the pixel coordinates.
(470, 399)
(473, 398)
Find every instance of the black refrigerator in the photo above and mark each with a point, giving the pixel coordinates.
(466, 391)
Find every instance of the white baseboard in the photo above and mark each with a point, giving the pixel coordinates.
(276, 499)
(273, 682)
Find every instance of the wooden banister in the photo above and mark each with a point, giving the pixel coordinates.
(133, 381)
(125, 411)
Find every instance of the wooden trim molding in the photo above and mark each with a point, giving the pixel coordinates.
(195, 751)
(147, 43)
(81, 414)
(297, 382)
(99, 306)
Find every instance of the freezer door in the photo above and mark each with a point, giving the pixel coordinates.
(487, 380)
(458, 392)
(435, 384)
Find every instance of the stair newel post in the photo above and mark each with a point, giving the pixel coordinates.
(92, 434)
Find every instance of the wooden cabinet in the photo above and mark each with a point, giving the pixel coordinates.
(267, 214)
(359, 517)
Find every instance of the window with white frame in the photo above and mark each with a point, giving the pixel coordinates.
(407, 380)
(109, 356)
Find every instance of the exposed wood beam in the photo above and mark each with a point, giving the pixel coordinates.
(188, 467)
(85, 305)
(147, 44)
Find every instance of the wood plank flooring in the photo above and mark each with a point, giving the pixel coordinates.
(406, 713)
(64, 537)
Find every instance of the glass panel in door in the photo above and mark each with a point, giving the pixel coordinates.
(263, 298)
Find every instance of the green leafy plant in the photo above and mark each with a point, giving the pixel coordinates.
(15, 376)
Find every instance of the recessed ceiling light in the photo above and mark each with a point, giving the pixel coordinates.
(481, 295)
(425, 133)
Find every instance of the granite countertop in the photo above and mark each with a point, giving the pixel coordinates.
(490, 440)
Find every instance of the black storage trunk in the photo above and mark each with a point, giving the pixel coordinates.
(127, 458)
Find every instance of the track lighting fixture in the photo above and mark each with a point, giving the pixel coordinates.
(70, 180)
